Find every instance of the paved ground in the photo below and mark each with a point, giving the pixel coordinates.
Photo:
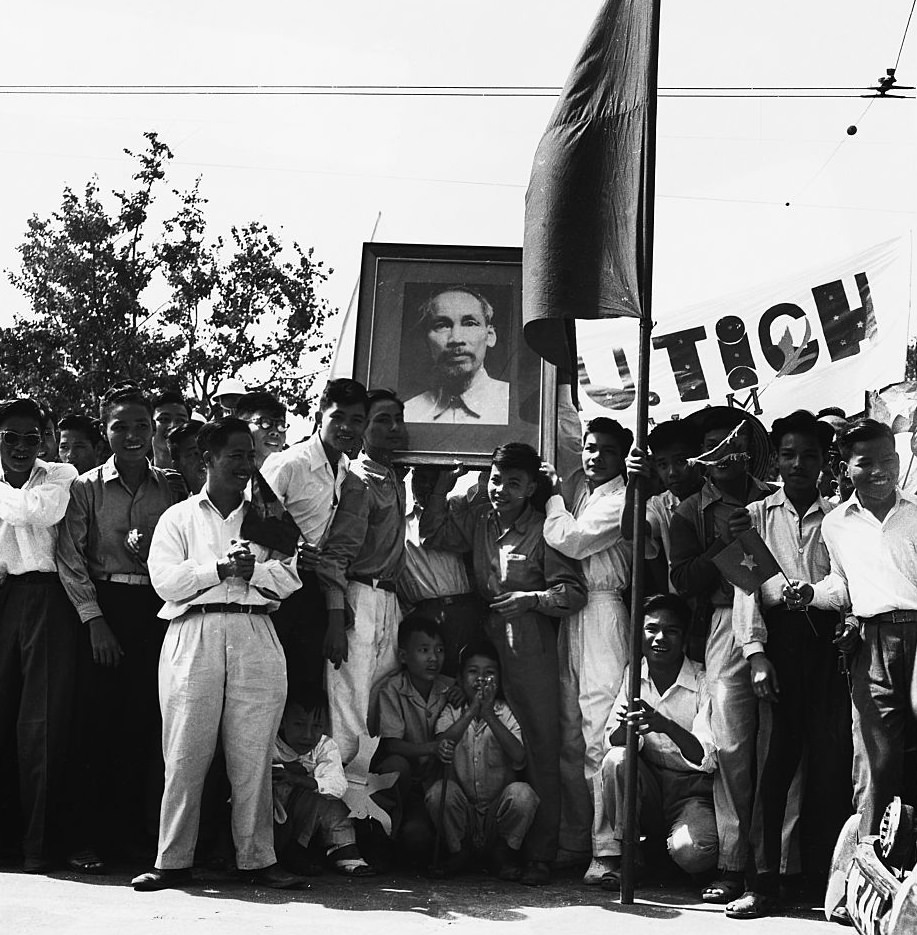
(64, 904)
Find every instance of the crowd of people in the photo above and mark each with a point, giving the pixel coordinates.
(204, 628)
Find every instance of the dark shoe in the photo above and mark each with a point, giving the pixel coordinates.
(504, 862)
(275, 878)
(156, 879)
(536, 873)
(751, 905)
(87, 861)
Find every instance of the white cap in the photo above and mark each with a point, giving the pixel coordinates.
(228, 387)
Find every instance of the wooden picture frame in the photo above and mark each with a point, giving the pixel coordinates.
(432, 319)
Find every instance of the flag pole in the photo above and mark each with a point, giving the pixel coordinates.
(628, 863)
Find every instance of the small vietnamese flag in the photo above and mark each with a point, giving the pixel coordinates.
(747, 562)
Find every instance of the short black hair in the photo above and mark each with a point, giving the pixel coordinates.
(170, 398)
(863, 430)
(417, 623)
(382, 396)
(342, 392)
(478, 648)
(77, 422)
(180, 434)
(517, 456)
(214, 436)
(803, 422)
(623, 436)
(23, 407)
(675, 432)
(311, 698)
(831, 411)
(127, 392)
(251, 403)
(676, 605)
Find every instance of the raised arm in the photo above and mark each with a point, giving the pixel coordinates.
(43, 505)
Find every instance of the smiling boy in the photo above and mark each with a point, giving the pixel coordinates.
(526, 583)
(222, 670)
(307, 479)
(872, 543)
(38, 629)
(677, 749)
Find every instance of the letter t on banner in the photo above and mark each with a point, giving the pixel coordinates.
(588, 244)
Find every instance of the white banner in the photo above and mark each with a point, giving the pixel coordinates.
(817, 339)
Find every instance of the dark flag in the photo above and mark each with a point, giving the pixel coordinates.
(588, 209)
(747, 562)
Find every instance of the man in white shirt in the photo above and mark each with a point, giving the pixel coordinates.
(38, 627)
(307, 479)
(593, 643)
(872, 542)
(458, 325)
(222, 670)
(677, 748)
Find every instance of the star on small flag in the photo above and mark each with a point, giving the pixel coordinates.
(748, 561)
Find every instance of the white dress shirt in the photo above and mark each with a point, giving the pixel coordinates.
(189, 539)
(686, 702)
(800, 551)
(875, 562)
(307, 485)
(29, 516)
(322, 763)
(592, 533)
(485, 402)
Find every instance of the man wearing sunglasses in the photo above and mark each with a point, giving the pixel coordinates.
(38, 627)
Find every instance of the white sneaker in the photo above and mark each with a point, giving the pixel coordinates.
(598, 867)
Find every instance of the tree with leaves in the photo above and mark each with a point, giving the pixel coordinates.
(115, 295)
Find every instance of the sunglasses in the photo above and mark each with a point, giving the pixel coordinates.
(267, 424)
(30, 440)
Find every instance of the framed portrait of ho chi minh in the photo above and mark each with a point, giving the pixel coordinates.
(442, 327)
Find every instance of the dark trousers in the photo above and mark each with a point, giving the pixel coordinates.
(882, 674)
(460, 618)
(527, 647)
(813, 717)
(38, 631)
(300, 623)
(118, 769)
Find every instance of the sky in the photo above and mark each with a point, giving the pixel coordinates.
(454, 170)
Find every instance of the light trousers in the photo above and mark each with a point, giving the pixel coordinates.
(593, 650)
(372, 655)
(219, 674)
(509, 816)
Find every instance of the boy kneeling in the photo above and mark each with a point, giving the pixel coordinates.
(677, 750)
(483, 808)
(308, 783)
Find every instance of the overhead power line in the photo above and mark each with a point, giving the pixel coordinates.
(357, 90)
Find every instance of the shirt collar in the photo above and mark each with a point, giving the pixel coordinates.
(522, 523)
(38, 466)
(853, 502)
(204, 501)
(686, 678)
(609, 487)
(710, 493)
(779, 499)
(110, 471)
(474, 399)
(408, 690)
(318, 457)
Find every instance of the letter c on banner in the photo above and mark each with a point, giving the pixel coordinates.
(778, 354)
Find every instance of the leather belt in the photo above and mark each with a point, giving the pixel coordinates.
(385, 584)
(448, 600)
(227, 609)
(893, 616)
(118, 578)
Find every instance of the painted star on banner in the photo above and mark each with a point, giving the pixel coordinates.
(748, 561)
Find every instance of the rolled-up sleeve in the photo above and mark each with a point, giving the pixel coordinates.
(275, 578)
(329, 770)
(42, 505)
(566, 592)
(578, 537)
